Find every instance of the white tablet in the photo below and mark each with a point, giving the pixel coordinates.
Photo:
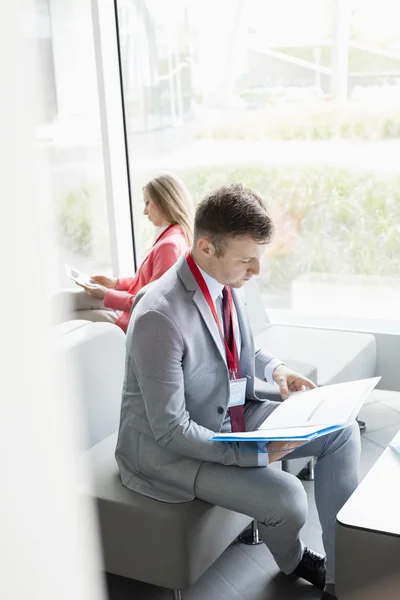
(79, 277)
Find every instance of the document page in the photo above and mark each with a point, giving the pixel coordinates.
(310, 414)
(324, 406)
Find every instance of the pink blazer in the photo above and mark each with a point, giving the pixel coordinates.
(166, 250)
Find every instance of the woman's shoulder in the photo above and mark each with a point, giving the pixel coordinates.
(175, 229)
(174, 244)
(174, 235)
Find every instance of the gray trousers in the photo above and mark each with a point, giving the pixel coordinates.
(277, 499)
(71, 304)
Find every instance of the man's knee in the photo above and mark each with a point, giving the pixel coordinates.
(290, 506)
(347, 435)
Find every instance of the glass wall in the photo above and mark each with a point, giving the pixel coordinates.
(157, 68)
(69, 137)
(300, 101)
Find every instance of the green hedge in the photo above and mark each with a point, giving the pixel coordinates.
(76, 221)
(360, 61)
(349, 220)
(319, 121)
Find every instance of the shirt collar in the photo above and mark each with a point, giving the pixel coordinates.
(214, 287)
(160, 230)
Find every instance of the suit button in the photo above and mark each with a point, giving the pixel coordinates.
(220, 410)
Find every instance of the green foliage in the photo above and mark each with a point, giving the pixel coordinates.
(349, 221)
(76, 221)
(319, 121)
(360, 60)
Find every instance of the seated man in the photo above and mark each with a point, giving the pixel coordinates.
(192, 346)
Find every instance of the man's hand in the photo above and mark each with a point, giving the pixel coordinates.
(108, 282)
(276, 450)
(94, 291)
(289, 381)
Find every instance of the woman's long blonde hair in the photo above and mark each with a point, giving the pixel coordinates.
(173, 200)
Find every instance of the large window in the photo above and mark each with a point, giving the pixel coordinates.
(299, 99)
(70, 137)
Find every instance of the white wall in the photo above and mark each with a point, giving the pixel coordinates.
(74, 60)
(48, 541)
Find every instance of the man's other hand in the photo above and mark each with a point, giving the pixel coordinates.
(289, 381)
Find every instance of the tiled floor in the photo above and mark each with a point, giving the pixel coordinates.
(249, 572)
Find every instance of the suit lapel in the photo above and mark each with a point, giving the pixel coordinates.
(190, 283)
(247, 348)
(204, 309)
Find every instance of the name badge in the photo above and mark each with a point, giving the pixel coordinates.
(237, 392)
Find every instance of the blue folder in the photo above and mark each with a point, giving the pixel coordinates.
(308, 415)
(259, 437)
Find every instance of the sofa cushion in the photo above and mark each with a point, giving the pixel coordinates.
(68, 327)
(93, 360)
(170, 545)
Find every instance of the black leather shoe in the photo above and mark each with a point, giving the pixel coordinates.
(327, 596)
(312, 568)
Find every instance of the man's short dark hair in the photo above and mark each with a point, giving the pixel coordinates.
(232, 211)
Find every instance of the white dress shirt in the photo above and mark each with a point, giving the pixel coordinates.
(215, 288)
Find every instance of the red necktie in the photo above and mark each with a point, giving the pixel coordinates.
(236, 412)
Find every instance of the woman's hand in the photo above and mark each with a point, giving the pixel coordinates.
(94, 291)
(108, 282)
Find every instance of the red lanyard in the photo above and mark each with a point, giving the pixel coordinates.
(206, 293)
(163, 233)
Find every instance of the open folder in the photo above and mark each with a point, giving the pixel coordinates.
(307, 415)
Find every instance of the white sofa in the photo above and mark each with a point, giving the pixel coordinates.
(170, 545)
(337, 356)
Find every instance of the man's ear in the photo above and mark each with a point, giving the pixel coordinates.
(205, 247)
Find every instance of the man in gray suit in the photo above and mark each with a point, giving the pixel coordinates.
(190, 372)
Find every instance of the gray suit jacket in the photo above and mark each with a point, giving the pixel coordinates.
(176, 389)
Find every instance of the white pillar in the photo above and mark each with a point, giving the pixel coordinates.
(48, 545)
(74, 60)
(114, 146)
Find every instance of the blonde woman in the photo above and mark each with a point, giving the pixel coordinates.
(168, 206)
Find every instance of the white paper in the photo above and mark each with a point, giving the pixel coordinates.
(308, 414)
(323, 406)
